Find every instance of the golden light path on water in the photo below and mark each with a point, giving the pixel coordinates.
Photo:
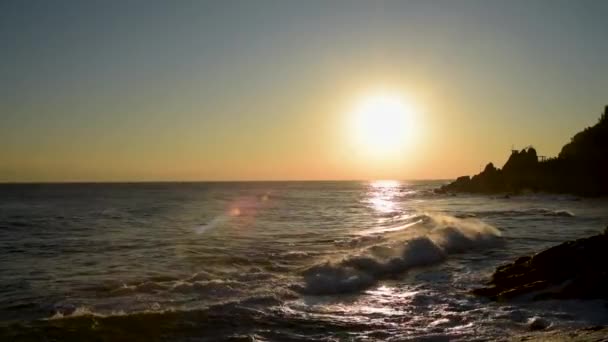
(394, 306)
(382, 195)
(389, 305)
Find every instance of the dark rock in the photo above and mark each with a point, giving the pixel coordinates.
(573, 269)
(594, 333)
(538, 323)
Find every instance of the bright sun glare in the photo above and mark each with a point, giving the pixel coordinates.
(383, 123)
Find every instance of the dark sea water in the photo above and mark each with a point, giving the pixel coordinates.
(275, 261)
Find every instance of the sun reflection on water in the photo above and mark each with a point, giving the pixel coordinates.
(382, 195)
(385, 184)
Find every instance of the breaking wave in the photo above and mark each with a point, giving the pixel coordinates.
(532, 211)
(442, 236)
(563, 213)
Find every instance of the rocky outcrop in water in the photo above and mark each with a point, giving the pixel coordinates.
(573, 270)
(580, 168)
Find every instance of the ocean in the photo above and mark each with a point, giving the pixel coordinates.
(276, 261)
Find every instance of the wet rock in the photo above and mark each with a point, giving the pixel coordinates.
(572, 270)
(537, 323)
(597, 333)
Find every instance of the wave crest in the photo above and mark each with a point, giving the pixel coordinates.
(445, 235)
(525, 212)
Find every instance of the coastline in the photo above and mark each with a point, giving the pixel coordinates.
(594, 333)
(579, 169)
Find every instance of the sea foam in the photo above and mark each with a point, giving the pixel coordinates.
(443, 235)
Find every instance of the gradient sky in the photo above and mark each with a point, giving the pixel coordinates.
(260, 90)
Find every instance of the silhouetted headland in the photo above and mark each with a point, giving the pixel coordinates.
(581, 168)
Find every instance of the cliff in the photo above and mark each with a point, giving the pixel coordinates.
(581, 168)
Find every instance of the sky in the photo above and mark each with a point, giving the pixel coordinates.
(264, 90)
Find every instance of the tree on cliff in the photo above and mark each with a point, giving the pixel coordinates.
(591, 143)
(584, 160)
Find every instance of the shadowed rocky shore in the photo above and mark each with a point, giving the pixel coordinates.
(581, 168)
(591, 334)
(572, 270)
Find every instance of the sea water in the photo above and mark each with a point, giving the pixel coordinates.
(381, 260)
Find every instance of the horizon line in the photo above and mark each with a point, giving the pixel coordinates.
(217, 181)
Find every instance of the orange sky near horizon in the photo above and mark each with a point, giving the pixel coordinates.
(269, 91)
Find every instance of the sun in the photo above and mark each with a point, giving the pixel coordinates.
(383, 123)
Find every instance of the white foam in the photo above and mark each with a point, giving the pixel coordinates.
(562, 213)
(532, 211)
(445, 235)
(215, 287)
(82, 311)
(548, 212)
(390, 229)
(211, 225)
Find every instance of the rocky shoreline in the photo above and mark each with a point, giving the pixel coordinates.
(590, 334)
(572, 270)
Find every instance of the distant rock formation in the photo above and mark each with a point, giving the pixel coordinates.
(572, 270)
(581, 168)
